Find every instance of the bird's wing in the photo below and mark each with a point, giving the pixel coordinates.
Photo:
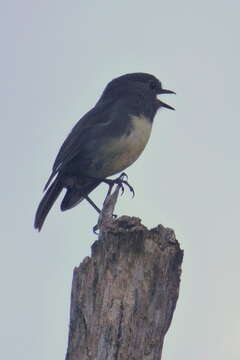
(89, 132)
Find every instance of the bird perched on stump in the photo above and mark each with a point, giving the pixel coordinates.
(104, 142)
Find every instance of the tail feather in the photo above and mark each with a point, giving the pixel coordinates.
(74, 196)
(47, 202)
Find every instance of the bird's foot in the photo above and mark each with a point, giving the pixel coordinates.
(121, 181)
(96, 229)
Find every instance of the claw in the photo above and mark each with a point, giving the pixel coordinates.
(123, 175)
(96, 229)
(119, 181)
(129, 187)
(122, 189)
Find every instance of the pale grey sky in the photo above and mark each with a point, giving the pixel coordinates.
(56, 58)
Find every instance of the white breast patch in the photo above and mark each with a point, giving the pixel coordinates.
(126, 149)
(141, 132)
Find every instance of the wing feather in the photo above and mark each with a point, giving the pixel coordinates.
(91, 126)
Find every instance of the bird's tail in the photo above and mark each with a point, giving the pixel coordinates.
(47, 202)
(74, 196)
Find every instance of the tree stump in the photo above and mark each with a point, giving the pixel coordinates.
(124, 295)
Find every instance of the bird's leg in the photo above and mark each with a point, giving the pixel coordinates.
(92, 203)
(96, 227)
(119, 181)
(111, 199)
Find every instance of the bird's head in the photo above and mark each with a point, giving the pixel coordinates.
(142, 83)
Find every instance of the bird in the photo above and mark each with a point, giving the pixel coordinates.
(104, 142)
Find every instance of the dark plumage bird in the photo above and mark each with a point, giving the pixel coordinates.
(105, 141)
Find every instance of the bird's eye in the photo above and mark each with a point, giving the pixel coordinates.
(153, 85)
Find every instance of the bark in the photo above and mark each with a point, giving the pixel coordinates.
(124, 295)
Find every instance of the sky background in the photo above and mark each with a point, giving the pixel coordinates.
(56, 58)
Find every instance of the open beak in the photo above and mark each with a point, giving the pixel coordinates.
(163, 104)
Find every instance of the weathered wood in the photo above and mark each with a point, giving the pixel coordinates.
(124, 295)
(106, 216)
